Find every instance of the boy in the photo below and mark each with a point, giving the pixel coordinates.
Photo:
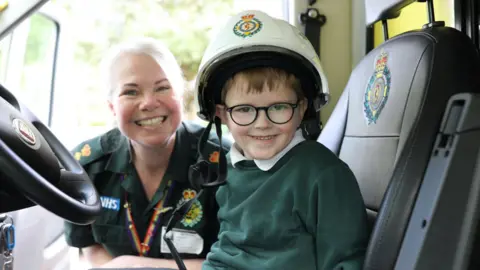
(288, 203)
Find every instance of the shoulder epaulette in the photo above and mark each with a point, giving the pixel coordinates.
(88, 151)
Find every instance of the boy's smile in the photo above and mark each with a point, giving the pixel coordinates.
(262, 139)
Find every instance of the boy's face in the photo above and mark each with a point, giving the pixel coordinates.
(262, 139)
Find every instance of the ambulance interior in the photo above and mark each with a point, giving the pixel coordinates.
(403, 114)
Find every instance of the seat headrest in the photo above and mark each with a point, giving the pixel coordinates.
(378, 10)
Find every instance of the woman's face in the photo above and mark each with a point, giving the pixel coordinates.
(147, 109)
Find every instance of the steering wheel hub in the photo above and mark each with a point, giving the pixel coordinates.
(24, 132)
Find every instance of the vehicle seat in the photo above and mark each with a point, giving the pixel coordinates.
(385, 122)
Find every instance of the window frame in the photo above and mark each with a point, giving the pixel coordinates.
(12, 67)
(54, 63)
(466, 18)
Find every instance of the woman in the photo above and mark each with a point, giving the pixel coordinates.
(140, 169)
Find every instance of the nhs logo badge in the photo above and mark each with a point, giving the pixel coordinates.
(110, 203)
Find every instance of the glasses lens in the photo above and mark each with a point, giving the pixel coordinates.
(280, 113)
(243, 115)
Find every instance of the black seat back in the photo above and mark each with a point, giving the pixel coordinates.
(385, 122)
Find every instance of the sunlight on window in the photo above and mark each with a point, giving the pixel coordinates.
(4, 49)
(29, 76)
(36, 78)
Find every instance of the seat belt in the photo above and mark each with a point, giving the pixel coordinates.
(313, 22)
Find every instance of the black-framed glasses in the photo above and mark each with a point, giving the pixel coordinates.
(278, 113)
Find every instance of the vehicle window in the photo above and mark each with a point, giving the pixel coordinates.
(33, 85)
(4, 49)
(414, 16)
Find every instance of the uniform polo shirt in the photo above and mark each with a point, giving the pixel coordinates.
(107, 160)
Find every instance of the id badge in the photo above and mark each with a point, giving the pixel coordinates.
(187, 242)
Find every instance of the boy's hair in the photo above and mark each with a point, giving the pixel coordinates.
(148, 46)
(255, 80)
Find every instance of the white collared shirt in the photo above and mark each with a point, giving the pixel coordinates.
(267, 164)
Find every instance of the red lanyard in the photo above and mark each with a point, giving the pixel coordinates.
(143, 247)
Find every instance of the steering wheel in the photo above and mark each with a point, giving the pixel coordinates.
(36, 163)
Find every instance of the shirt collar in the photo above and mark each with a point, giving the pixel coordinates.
(265, 165)
(119, 148)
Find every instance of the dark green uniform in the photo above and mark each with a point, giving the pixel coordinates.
(306, 212)
(107, 160)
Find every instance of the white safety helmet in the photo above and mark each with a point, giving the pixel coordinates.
(254, 39)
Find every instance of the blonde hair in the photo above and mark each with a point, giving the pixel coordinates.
(255, 79)
(151, 47)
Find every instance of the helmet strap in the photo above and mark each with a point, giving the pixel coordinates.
(201, 174)
(311, 128)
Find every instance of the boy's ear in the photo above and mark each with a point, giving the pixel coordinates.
(221, 113)
(303, 106)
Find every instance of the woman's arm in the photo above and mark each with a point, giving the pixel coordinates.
(96, 255)
(136, 261)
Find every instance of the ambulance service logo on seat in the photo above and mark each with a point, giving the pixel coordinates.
(378, 89)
